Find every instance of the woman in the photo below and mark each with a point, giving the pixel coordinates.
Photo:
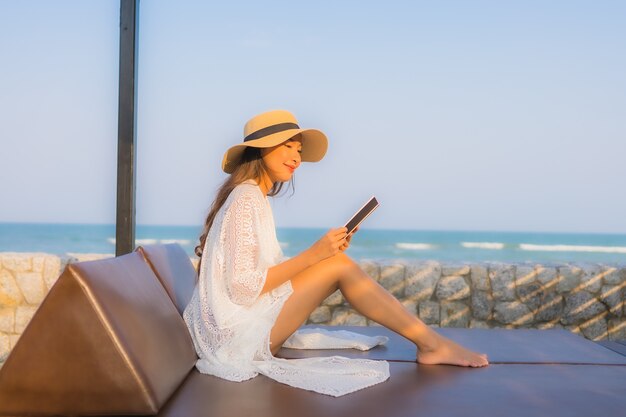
(250, 299)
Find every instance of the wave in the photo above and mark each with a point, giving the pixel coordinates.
(415, 246)
(483, 245)
(146, 241)
(572, 248)
(179, 241)
(182, 242)
(283, 244)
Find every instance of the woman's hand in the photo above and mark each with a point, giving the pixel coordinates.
(346, 245)
(330, 244)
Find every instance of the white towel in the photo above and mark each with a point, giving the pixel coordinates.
(318, 338)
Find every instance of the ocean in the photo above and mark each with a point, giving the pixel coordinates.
(375, 244)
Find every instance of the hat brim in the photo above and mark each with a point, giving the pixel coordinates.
(314, 146)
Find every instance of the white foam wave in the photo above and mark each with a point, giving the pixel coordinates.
(179, 241)
(154, 241)
(483, 245)
(414, 246)
(146, 241)
(283, 244)
(572, 248)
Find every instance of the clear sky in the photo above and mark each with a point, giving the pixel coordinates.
(457, 115)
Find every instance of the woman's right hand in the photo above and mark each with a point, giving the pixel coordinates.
(329, 245)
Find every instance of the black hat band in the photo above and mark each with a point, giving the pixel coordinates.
(270, 130)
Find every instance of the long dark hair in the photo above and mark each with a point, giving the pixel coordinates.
(251, 167)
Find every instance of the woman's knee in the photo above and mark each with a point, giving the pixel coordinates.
(342, 264)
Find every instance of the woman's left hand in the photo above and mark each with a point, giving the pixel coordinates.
(346, 244)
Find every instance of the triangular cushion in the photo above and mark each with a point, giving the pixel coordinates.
(172, 266)
(106, 340)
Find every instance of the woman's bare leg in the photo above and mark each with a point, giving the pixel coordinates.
(316, 283)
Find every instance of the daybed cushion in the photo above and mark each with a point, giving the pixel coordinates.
(530, 346)
(172, 266)
(106, 340)
(507, 390)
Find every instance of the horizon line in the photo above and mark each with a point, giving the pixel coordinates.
(324, 228)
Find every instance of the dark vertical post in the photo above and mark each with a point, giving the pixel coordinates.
(127, 128)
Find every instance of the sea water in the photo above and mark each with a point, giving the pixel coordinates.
(375, 244)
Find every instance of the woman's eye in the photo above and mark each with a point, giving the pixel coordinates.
(291, 146)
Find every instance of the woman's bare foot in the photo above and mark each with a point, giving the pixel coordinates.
(445, 351)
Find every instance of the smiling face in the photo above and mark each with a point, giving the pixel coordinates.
(282, 160)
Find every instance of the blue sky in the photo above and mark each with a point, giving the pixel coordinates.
(457, 115)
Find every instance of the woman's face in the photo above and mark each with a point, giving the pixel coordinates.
(282, 160)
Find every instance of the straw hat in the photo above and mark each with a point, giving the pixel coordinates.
(273, 128)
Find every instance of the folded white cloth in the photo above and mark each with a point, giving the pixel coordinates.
(334, 375)
(318, 338)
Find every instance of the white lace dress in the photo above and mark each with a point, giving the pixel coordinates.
(230, 322)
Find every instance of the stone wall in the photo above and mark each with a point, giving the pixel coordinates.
(25, 279)
(587, 299)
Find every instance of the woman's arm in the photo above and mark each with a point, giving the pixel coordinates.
(330, 244)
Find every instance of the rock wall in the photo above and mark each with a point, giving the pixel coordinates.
(587, 299)
(25, 279)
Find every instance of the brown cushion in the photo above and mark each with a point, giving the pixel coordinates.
(500, 345)
(418, 390)
(172, 266)
(106, 340)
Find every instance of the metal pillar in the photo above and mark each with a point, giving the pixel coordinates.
(127, 128)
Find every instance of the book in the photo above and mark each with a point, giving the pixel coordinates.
(362, 214)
